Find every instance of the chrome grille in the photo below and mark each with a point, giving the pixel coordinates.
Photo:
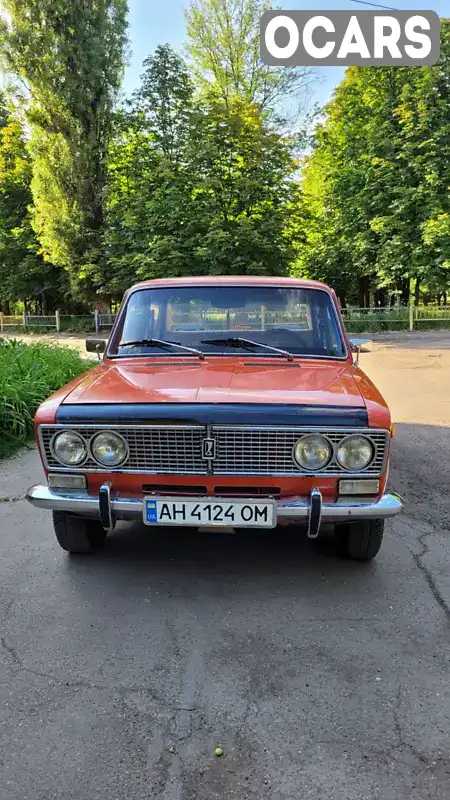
(152, 449)
(269, 451)
(241, 450)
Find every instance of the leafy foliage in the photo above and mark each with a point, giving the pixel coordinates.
(23, 272)
(70, 58)
(198, 172)
(224, 45)
(28, 374)
(377, 182)
(196, 186)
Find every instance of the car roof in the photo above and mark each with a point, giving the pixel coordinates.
(231, 280)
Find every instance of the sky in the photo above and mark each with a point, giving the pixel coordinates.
(154, 22)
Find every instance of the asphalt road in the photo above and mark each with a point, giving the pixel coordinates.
(120, 674)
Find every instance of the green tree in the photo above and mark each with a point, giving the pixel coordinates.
(196, 186)
(244, 189)
(244, 160)
(70, 57)
(224, 45)
(424, 119)
(164, 102)
(23, 274)
(152, 227)
(377, 181)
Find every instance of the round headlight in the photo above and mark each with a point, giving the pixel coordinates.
(355, 453)
(69, 448)
(312, 452)
(109, 449)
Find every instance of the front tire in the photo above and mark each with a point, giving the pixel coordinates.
(76, 534)
(360, 541)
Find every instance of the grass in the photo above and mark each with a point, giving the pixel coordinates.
(29, 373)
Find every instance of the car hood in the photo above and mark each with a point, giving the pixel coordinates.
(219, 380)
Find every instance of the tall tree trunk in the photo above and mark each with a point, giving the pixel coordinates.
(361, 292)
(417, 292)
(6, 308)
(364, 291)
(382, 297)
(403, 285)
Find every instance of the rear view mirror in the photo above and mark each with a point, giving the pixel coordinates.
(96, 346)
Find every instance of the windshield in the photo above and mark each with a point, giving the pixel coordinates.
(219, 320)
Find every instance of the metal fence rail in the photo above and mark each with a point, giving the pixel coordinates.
(33, 320)
(357, 320)
(435, 313)
(395, 318)
(72, 323)
(106, 321)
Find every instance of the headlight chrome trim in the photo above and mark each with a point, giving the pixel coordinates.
(117, 436)
(305, 470)
(81, 438)
(360, 469)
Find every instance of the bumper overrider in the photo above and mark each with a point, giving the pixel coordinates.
(311, 510)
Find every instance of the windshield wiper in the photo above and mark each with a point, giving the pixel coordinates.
(163, 344)
(247, 344)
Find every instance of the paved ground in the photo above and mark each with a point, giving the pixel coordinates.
(73, 340)
(120, 674)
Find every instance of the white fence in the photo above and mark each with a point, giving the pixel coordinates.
(60, 322)
(105, 321)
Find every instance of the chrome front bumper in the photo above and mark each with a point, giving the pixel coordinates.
(311, 510)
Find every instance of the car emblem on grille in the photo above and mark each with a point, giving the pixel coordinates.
(209, 449)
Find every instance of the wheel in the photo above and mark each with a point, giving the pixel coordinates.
(76, 534)
(360, 540)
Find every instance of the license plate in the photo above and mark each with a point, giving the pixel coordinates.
(204, 513)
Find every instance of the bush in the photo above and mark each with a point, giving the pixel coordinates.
(77, 324)
(29, 373)
(376, 320)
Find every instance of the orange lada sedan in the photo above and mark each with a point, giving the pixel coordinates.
(221, 401)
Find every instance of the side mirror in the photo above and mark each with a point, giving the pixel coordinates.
(96, 346)
(360, 346)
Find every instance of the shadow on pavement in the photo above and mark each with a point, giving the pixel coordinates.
(135, 552)
(182, 561)
(419, 473)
